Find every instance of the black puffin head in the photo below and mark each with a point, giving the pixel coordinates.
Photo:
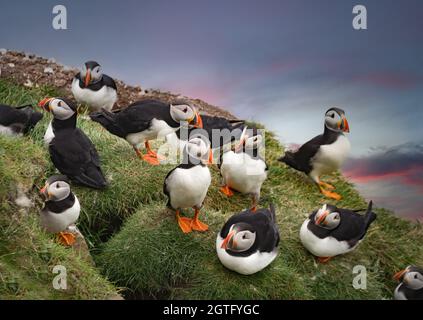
(56, 188)
(411, 277)
(241, 237)
(91, 73)
(327, 217)
(335, 120)
(61, 108)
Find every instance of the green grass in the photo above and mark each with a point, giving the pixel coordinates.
(27, 254)
(137, 244)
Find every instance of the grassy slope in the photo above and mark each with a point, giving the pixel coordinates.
(27, 254)
(150, 256)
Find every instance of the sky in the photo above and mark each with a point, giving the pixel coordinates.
(281, 63)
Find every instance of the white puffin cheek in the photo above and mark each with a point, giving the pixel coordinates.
(412, 282)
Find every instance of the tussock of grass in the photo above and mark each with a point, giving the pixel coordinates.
(137, 244)
(137, 257)
(27, 254)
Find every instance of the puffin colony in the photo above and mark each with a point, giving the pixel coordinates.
(248, 242)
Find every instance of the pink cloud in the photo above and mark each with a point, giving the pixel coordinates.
(391, 80)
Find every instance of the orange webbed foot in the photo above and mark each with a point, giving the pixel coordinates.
(323, 259)
(66, 238)
(184, 223)
(330, 194)
(151, 159)
(227, 191)
(197, 225)
(326, 185)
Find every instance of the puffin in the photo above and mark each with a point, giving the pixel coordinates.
(71, 151)
(218, 131)
(411, 286)
(16, 121)
(146, 120)
(93, 88)
(332, 231)
(186, 185)
(325, 153)
(248, 241)
(61, 208)
(242, 169)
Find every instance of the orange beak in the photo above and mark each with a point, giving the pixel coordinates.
(343, 124)
(198, 121)
(227, 239)
(210, 156)
(399, 275)
(87, 78)
(44, 192)
(45, 104)
(322, 217)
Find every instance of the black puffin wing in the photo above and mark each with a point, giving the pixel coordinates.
(108, 81)
(133, 121)
(268, 231)
(74, 155)
(165, 189)
(138, 116)
(352, 227)
(11, 116)
(86, 144)
(307, 151)
(66, 153)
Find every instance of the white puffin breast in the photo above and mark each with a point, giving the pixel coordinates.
(326, 247)
(244, 265)
(95, 100)
(188, 187)
(49, 135)
(330, 157)
(58, 222)
(398, 295)
(7, 131)
(158, 129)
(243, 173)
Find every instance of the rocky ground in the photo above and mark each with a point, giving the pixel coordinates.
(33, 71)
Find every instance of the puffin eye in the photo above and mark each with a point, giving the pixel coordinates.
(415, 276)
(332, 115)
(60, 103)
(57, 186)
(185, 110)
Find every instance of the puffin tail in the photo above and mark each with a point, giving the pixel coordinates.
(272, 212)
(92, 178)
(107, 120)
(289, 159)
(370, 216)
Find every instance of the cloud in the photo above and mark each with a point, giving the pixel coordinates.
(404, 162)
(391, 80)
(394, 176)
